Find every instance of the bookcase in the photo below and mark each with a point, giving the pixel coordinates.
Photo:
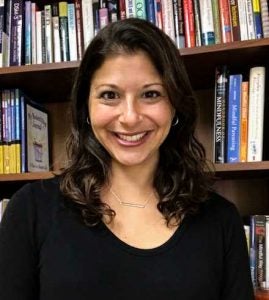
(246, 184)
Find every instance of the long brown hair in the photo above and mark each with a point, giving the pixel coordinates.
(180, 180)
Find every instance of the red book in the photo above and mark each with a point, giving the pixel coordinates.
(225, 21)
(122, 9)
(189, 28)
(79, 27)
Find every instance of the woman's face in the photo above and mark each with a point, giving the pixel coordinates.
(129, 109)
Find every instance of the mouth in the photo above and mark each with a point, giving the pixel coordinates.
(131, 139)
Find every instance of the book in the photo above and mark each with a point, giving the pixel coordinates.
(28, 33)
(130, 8)
(103, 14)
(189, 25)
(159, 16)
(63, 29)
(257, 18)
(225, 21)
(79, 28)
(122, 9)
(96, 19)
(3, 206)
(244, 122)
(56, 32)
(168, 19)
(242, 20)
(2, 15)
(256, 113)
(265, 18)
(113, 10)
(150, 8)
(207, 23)
(33, 25)
(221, 92)
(197, 23)
(48, 33)
(216, 21)
(1, 139)
(34, 135)
(140, 9)
(250, 20)
(87, 16)
(233, 118)
(235, 20)
(38, 37)
(72, 32)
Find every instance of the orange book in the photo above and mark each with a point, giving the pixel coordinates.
(244, 122)
(189, 27)
(225, 21)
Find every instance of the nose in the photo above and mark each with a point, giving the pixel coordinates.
(131, 112)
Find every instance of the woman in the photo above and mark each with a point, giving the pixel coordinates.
(132, 216)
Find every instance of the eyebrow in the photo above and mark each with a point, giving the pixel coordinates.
(114, 86)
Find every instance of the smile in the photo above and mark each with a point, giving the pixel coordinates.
(132, 138)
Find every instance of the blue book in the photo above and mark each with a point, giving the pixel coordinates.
(252, 251)
(150, 11)
(233, 118)
(28, 33)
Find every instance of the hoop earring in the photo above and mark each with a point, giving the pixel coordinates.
(87, 120)
(175, 121)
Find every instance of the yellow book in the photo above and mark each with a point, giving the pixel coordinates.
(1, 159)
(6, 156)
(12, 160)
(18, 157)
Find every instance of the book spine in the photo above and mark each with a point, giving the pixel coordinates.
(158, 14)
(150, 7)
(233, 132)
(113, 9)
(23, 133)
(242, 20)
(260, 249)
(72, 32)
(33, 24)
(265, 18)
(235, 20)
(189, 27)
(122, 9)
(2, 12)
(56, 32)
(267, 250)
(256, 113)
(130, 8)
(28, 33)
(6, 130)
(207, 23)
(63, 29)
(140, 9)
(6, 33)
(48, 34)
(257, 18)
(225, 21)
(1, 137)
(96, 19)
(16, 33)
(181, 24)
(252, 252)
(17, 131)
(197, 23)
(79, 27)
(216, 21)
(244, 122)
(103, 14)
(38, 38)
(168, 21)
(250, 20)
(12, 146)
(87, 16)
(221, 90)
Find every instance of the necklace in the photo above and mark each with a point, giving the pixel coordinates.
(130, 204)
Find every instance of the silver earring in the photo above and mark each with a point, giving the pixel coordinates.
(175, 121)
(87, 120)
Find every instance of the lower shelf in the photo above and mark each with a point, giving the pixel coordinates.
(262, 294)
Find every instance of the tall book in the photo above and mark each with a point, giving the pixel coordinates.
(28, 32)
(79, 28)
(178, 24)
(265, 17)
(87, 16)
(122, 9)
(113, 9)
(216, 20)
(159, 15)
(2, 13)
(48, 33)
(221, 92)
(256, 113)
(233, 118)
(140, 9)
(244, 122)
(250, 20)
(207, 23)
(197, 23)
(150, 8)
(257, 18)
(225, 21)
(1, 139)
(72, 31)
(235, 22)
(168, 19)
(130, 8)
(189, 23)
(63, 29)
(242, 20)
(38, 18)
(33, 18)
(56, 32)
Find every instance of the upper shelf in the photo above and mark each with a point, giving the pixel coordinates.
(53, 82)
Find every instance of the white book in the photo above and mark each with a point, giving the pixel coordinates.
(1, 31)
(72, 32)
(256, 113)
(38, 38)
(48, 34)
(56, 33)
(242, 20)
(87, 21)
(33, 19)
(130, 8)
(168, 19)
(265, 18)
(207, 22)
(250, 20)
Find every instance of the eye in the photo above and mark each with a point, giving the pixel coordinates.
(109, 95)
(152, 94)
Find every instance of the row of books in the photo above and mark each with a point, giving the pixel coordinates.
(239, 116)
(24, 134)
(3, 205)
(257, 234)
(62, 30)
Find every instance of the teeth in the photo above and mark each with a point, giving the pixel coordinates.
(132, 138)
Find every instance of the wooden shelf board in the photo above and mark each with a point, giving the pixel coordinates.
(26, 176)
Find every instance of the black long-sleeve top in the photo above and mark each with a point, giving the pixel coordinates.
(47, 253)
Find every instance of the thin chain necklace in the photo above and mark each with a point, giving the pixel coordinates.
(130, 204)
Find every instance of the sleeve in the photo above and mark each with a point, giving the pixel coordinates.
(18, 254)
(237, 284)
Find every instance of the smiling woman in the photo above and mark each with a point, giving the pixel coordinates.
(133, 215)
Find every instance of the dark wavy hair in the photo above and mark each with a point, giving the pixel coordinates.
(180, 179)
